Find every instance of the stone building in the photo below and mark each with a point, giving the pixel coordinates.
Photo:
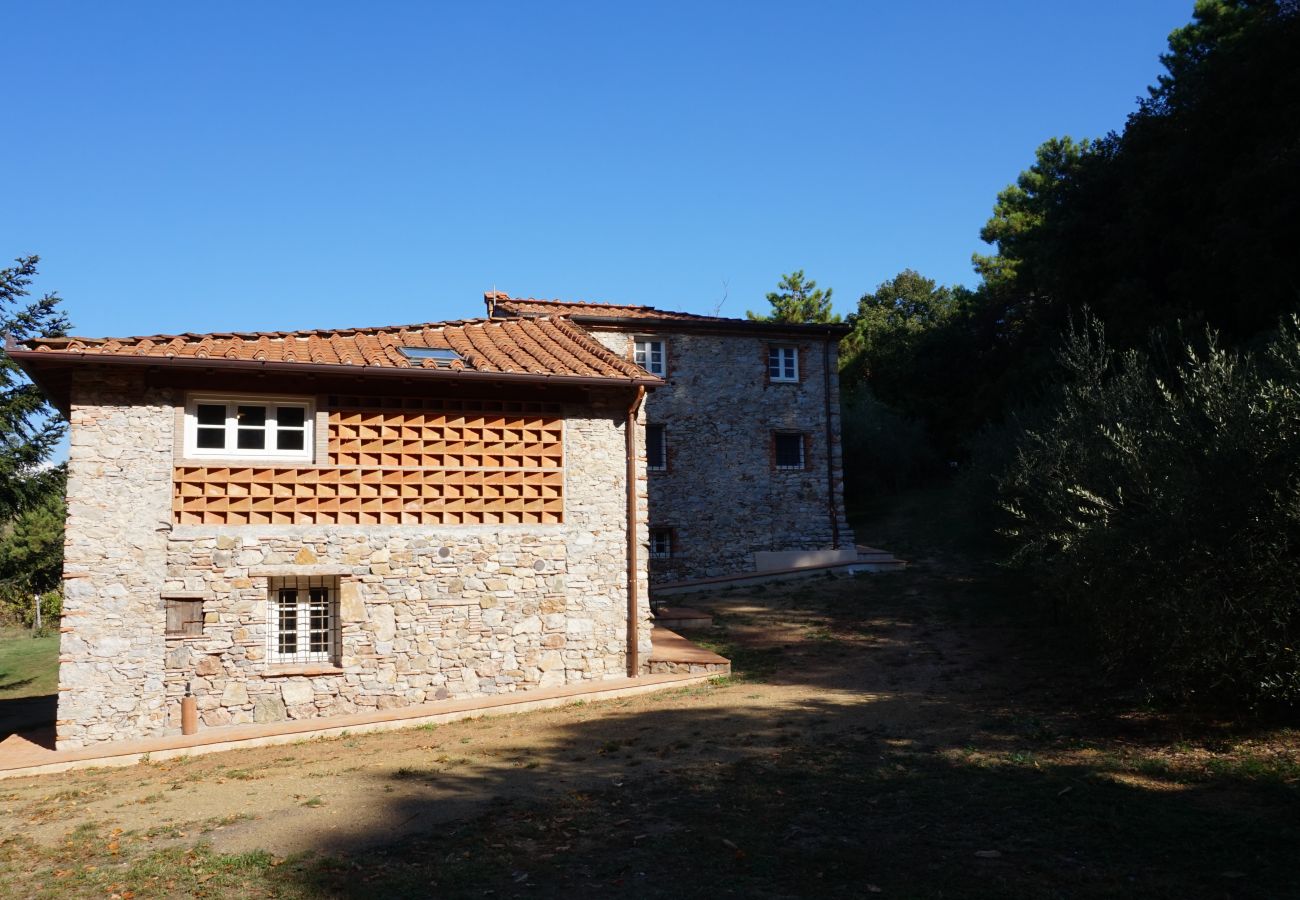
(302, 524)
(745, 471)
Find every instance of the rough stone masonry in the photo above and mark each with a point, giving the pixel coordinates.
(425, 613)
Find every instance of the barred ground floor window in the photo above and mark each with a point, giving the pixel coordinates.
(303, 619)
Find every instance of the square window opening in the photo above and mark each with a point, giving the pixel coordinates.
(303, 619)
(650, 355)
(184, 617)
(788, 450)
(661, 543)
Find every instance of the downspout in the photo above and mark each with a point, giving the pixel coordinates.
(830, 467)
(633, 546)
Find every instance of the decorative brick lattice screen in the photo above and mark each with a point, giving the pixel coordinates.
(396, 461)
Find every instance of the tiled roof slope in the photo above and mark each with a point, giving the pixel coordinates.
(500, 304)
(533, 346)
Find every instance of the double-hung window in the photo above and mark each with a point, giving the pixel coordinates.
(248, 427)
(656, 448)
(303, 620)
(649, 355)
(782, 363)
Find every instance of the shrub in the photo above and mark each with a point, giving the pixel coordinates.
(884, 452)
(1159, 505)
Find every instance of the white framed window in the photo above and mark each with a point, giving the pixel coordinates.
(656, 448)
(249, 427)
(303, 619)
(650, 355)
(788, 450)
(782, 363)
(661, 543)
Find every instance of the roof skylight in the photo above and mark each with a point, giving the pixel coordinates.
(443, 356)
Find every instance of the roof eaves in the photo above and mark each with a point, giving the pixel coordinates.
(78, 356)
(742, 325)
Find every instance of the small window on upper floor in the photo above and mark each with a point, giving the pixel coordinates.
(650, 356)
(248, 427)
(656, 448)
(782, 363)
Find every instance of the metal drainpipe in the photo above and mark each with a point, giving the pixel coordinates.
(633, 548)
(830, 468)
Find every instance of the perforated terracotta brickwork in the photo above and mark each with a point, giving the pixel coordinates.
(464, 439)
(398, 461)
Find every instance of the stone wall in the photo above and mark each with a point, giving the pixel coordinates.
(115, 557)
(426, 613)
(722, 496)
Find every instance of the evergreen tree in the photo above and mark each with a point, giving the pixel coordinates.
(29, 428)
(31, 546)
(798, 301)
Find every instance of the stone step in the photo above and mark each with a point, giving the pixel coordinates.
(681, 618)
(852, 561)
(674, 655)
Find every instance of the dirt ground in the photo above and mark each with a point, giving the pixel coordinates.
(900, 734)
(346, 793)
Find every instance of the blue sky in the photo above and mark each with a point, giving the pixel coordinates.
(240, 166)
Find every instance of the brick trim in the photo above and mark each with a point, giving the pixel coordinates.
(800, 366)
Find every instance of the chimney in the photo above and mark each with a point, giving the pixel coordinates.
(490, 298)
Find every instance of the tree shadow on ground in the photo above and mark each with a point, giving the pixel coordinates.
(30, 716)
(926, 760)
(818, 800)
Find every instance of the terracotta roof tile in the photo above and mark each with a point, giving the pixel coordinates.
(502, 305)
(543, 346)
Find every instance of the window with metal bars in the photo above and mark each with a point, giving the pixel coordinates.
(788, 450)
(303, 620)
(661, 543)
(656, 448)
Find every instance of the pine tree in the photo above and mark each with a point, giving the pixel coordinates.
(798, 301)
(29, 428)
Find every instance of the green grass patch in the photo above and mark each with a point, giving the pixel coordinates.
(29, 666)
(747, 663)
